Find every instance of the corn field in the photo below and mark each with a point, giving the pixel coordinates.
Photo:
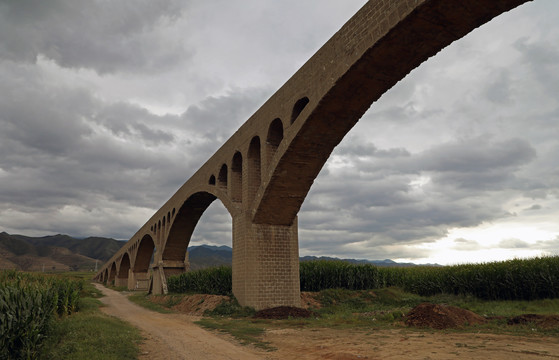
(28, 305)
(215, 281)
(530, 279)
(517, 279)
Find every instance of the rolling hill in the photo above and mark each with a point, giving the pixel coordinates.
(54, 253)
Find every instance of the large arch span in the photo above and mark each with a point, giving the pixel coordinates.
(263, 173)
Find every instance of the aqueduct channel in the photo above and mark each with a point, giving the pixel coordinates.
(263, 173)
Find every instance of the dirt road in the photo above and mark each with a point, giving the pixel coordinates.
(171, 336)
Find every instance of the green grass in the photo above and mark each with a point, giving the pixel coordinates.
(231, 308)
(90, 334)
(142, 299)
(94, 337)
(245, 331)
(385, 308)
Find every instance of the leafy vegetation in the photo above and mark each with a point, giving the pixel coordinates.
(232, 309)
(215, 281)
(57, 317)
(323, 274)
(531, 279)
(91, 335)
(28, 305)
(142, 299)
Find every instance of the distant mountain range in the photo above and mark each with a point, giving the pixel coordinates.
(206, 255)
(55, 253)
(65, 253)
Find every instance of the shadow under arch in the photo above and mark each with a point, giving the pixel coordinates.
(144, 255)
(124, 267)
(184, 224)
(112, 274)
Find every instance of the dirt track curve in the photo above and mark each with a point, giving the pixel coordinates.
(171, 336)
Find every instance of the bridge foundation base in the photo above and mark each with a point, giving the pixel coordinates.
(265, 264)
(138, 281)
(121, 281)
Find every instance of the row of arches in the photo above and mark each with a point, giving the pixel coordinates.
(118, 272)
(232, 182)
(166, 219)
(230, 178)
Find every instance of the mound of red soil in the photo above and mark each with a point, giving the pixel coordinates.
(544, 321)
(282, 312)
(441, 316)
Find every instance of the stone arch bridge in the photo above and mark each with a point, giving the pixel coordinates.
(263, 173)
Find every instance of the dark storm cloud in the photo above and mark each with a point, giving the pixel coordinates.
(120, 37)
(216, 118)
(477, 155)
(127, 120)
(64, 148)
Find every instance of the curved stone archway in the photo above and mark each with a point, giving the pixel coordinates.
(123, 270)
(112, 274)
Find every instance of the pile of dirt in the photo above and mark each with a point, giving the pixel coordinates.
(441, 316)
(283, 312)
(543, 321)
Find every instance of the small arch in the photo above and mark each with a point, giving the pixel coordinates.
(159, 225)
(168, 216)
(106, 276)
(222, 177)
(274, 138)
(254, 171)
(212, 180)
(237, 177)
(164, 219)
(112, 274)
(124, 267)
(173, 213)
(298, 108)
(144, 254)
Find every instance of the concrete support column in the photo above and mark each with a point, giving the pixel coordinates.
(121, 281)
(138, 280)
(162, 270)
(265, 263)
(131, 279)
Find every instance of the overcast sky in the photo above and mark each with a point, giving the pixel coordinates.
(108, 107)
